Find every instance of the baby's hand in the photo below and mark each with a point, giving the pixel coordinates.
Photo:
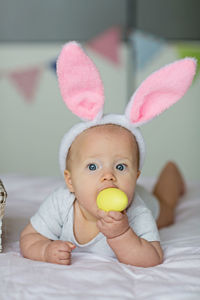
(59, 252)
(112, 223)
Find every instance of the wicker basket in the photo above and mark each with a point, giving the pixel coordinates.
(3, 196)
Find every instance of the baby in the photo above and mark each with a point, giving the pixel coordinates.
(102, 153)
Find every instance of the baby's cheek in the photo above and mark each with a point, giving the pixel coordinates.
(130, 193)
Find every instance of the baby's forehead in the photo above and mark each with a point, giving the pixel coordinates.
(106, 130)
(102, 134)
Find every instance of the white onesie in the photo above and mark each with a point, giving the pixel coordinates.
(55, 219)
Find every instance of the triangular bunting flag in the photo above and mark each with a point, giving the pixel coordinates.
(52, 65)
(26, 81)
(107, 44)
(190, 50)
(145, 46)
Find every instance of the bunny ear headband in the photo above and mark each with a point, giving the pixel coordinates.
(83, 93)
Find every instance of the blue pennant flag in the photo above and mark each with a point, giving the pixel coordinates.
(145, 46)
(52, 65)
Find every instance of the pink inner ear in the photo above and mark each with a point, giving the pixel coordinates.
(80, 83)
(86, 105)
(161, 90)
(151, 107)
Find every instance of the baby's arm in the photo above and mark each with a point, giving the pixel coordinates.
(35, 246)
(128, 247)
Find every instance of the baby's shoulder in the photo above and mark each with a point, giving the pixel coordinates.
(138, 204)
(60, 199)
(61, 192)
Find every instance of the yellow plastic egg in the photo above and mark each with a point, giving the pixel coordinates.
(112, 199)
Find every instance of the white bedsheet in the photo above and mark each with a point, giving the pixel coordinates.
(94, 277)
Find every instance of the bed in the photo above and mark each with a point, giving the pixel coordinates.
(91, 276)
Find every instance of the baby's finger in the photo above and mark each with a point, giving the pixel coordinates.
(116, 215)
(67, 246)
(64, 261)
(100, 224)
(104, 216)
(64, 255)
(101, 213)
(64, 247)
(108, 219)
(71, 245)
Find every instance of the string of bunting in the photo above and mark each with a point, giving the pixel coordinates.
(107, 44)
(147, 47)
(26, 79)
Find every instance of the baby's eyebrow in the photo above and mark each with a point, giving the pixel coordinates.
(90, 159)
(132, 160)
(123, 158)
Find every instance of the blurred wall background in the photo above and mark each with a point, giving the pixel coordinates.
(32, 34)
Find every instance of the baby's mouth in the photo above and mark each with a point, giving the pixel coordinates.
(107, 187)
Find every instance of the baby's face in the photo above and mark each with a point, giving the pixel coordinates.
(102, 157)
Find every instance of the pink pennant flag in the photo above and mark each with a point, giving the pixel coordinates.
(107, 44)
(26, 81)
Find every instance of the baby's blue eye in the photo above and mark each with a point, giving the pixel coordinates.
(121, 167)
(92, 167)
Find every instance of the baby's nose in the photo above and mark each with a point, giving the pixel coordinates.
(108, 175)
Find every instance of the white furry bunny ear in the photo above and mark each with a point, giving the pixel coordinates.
(80, 83)
(160, 90)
